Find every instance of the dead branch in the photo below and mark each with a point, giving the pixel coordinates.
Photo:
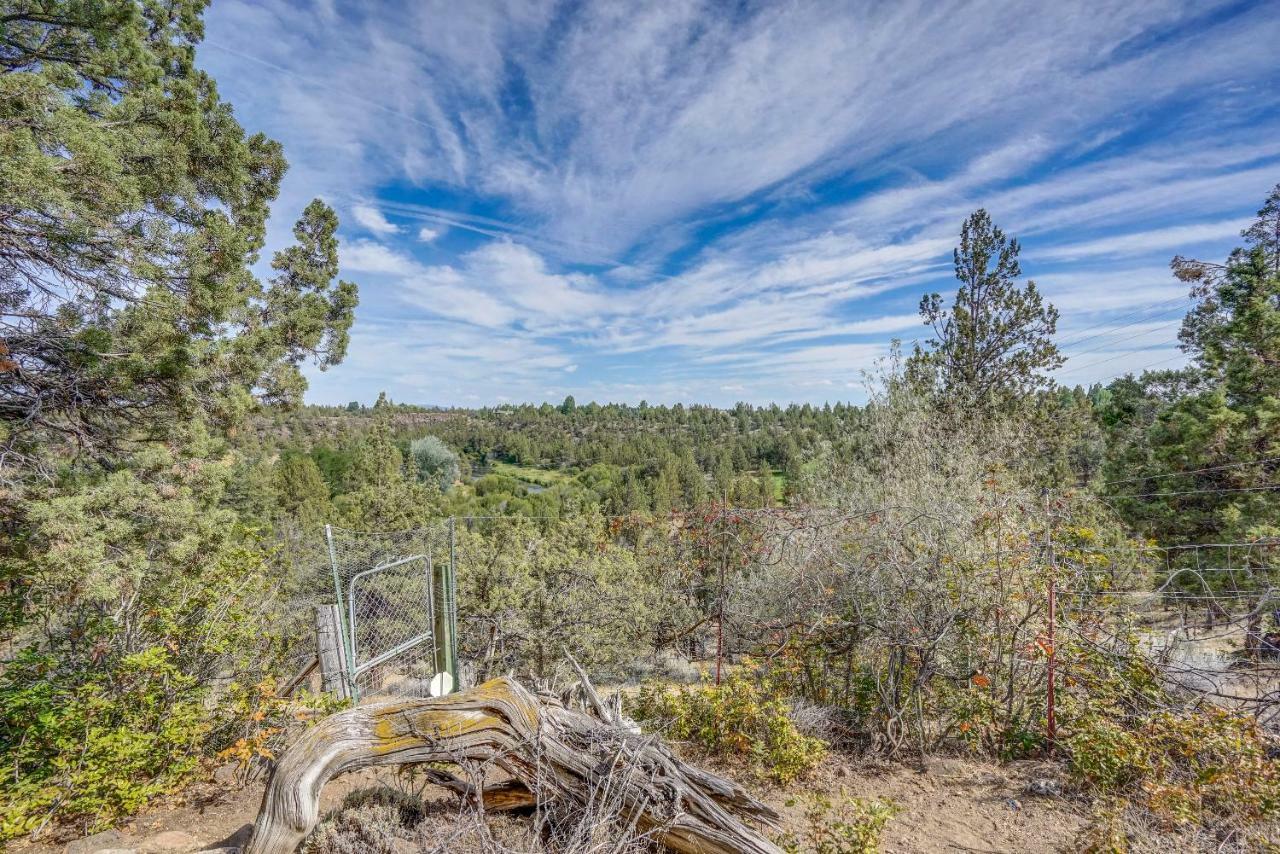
(555, 751)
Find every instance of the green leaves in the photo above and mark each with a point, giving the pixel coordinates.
(1220, 416)
(132, 208)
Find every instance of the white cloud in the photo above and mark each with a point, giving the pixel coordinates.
(891, 323)
(373, 219)
(656, 198)
(687, 108)
(1137, 243)
(368, 256)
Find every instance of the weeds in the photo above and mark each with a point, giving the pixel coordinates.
(839, 825)
(746, 717)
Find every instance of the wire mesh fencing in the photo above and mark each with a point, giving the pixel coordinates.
(1205, 617)
(851, 606)
(396, 603)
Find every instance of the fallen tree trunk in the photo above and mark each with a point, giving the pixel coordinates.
(558, 753)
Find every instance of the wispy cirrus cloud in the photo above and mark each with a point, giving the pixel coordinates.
(717, 202)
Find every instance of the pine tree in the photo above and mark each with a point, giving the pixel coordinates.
(994, 344)
(1230, 422)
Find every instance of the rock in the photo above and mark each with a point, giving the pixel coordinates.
(1044, 787)
(1013, 804)
(170, 840)
(96, 842)
(225, 775)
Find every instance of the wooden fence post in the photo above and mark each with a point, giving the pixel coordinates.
(333, 671)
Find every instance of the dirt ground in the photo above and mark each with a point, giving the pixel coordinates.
(951, 805)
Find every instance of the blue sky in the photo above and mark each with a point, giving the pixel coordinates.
(723, 201)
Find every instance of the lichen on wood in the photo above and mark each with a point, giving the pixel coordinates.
(554, 750)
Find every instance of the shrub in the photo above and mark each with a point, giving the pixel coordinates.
(381, 820)
(746, 716)
(1206, 767)
(1188, 767)
(436, 461)
(260, 722)
(845, 825)
(99, 749)
(147, 599)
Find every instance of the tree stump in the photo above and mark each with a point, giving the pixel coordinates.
(555, 751)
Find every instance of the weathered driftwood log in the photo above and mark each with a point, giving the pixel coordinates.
(552, 749)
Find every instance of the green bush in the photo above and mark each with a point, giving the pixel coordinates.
(118, 693)
(99, 749)
(1187, 767)
(1207, 767)
(744, 717)
(845, 825)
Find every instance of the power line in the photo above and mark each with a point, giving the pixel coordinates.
(1142, 369)
(1124, 355)
(1148, 312)
(1160, 327)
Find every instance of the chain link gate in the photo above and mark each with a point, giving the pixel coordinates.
(397, 605)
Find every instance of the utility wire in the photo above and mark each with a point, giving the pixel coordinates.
(1160, 327)
(1126, 354)
(1193, 471)
(1147, 312)
(1139, 370)
(1264, 488)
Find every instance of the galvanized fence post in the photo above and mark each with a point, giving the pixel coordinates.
(344, 635)
(451, 606)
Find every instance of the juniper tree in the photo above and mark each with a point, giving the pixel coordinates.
(994, 343)
(132, 208)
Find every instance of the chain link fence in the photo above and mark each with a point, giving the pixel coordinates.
(397, 609)
(832, 595)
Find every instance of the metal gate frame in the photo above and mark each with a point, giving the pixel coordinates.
(445, 647)
(354, 665)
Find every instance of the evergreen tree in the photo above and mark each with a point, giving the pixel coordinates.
(668, 492)
(767, 497)
(995, 342)
(1229, 423)
(132, 207)
(301, 495)
(382, 493)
